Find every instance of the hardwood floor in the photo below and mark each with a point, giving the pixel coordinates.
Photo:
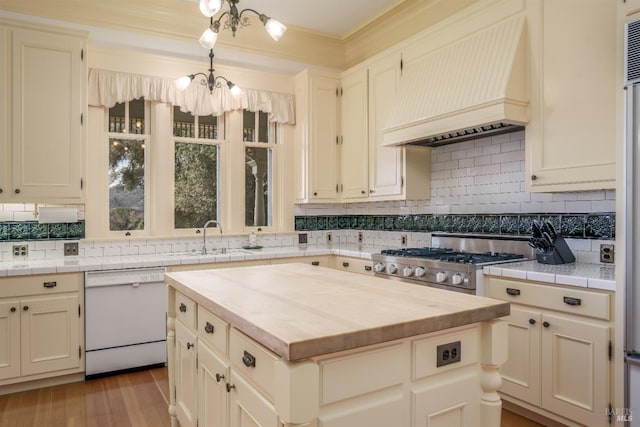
(137, 399)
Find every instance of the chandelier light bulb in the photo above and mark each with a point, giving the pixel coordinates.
(235, 90)
(275, 28)
(183, 82)
(208, 38)
(210, 7)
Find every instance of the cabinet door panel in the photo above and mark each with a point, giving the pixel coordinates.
(5, 108)
(355, 143)
(248, 407)
(572, 135)
(324, 130)
(185, 372)
(385, 163)
(9, 339)
(50, 334)
(47, 104)
(213, 399)
(521, 372)
(575, 369)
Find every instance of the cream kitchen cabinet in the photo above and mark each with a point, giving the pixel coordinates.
(316, 145)
(43, 138)
(371, 172)
(320, 260)
(629, 8)
(354, 141)
(558, 361)
(41, 328)
(571, 136)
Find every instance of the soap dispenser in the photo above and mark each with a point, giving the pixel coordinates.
(253, 239)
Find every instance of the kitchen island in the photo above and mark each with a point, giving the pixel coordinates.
(299, 345)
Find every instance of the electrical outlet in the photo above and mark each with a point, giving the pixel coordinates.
(70, 249)
(302, 238)
(360, 236)
(329, 238)
(403, 240)
(607, 253)
(20, 251)
(447, 354)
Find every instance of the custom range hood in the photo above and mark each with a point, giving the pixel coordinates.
(472, 87)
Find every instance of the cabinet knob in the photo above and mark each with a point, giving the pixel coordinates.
(229, 387)
(546, 324)
(183, 308)
(345, 264)
(534, 177)
(315, 193)
(25, 308)
(17, 191)
(368, 268)
(50, 284)
(249, 360)
(219, 377)
(363, 192)
(189, 346)
(208, 328)
(13, 309)
(316, 263)
(372, 191)
(0, 190)
(532, 321)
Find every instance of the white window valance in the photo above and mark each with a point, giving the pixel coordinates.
(106, 88)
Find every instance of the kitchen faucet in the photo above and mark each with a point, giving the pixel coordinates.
(204, 235)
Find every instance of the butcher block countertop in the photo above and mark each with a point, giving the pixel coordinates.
(300, 311)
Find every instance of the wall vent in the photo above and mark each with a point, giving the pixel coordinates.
(632, 54)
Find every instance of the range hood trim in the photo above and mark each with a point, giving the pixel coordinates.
(498, 95)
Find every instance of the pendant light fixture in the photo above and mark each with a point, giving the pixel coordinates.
(210, 80)
(234, 20)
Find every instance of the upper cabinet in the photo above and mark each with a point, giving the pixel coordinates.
(43, 113)
(571, 137)
(315, 146)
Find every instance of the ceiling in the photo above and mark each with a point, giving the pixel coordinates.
(336, 17)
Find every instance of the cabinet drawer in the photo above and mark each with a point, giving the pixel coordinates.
(355, 265)
(19, 286)
(253, 361)
(185, 310)
(567, 300)
(213, 331)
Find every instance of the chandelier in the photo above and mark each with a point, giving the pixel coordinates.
(234, 19)
(209, 80)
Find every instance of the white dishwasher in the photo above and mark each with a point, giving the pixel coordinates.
(125, 320)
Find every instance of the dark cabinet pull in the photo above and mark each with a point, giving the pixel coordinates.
(17, 191)
(345, 264)
(25, 308)
(513, 291)
(368, 268)
(183, 308)
(316, 263)
(363, 192)
(13, 309)
(572, 301)
(546, 324)
(49, 284)
(534, 177)
(315, 193)
(219, 377)
(532, 321)
(229, 387)
(127, 234)
(208, 328)
(0, 190)
(189, 346)
(249, 360)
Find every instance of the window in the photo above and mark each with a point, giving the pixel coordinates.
(127, 159)
(259, 139)
(196, 169)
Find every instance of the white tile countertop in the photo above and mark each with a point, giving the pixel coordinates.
(594, 276)
(77, 264)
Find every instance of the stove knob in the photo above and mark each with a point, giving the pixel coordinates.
(420, 272)
(392, 269)
(379, 267)
(407, 272)
(457, 279)
(441, 277)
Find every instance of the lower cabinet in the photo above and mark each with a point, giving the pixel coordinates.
(220, 377)
(558, 361)
(355, 265)
(41, 327)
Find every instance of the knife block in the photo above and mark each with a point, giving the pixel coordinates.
(559, 254)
